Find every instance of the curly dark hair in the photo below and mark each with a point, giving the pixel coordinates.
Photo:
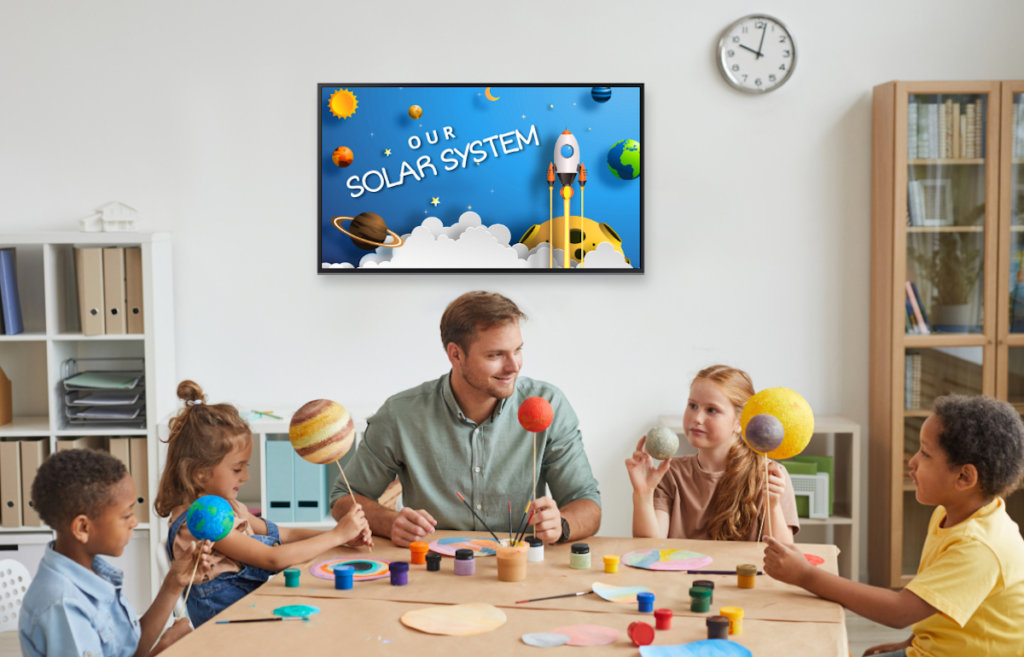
(988, 434)
(75, 482)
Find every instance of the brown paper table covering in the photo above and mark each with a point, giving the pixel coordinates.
(372, 627)
(768, 600)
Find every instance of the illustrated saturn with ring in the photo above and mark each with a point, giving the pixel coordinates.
(368, 231)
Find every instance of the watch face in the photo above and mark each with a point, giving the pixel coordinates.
(756, 54)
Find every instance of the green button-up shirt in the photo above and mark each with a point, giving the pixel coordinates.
(422, 436)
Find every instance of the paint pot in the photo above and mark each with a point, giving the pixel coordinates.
(536, 549)
(735, 616)
(464, 563)
(579, 556)
(663, 619)
(611, 563)
(418, 552)
(745, 575)
(709, 585)
(512, 561)
(343, 577)
(399, 573)
(433, 561)
(718, 627)
(640, 633)
(645, 602)
(700, 599)
(291, 577)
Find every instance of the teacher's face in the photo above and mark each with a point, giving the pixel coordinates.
(492, 362)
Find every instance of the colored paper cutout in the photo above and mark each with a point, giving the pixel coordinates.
(813, 559)
(704, 648)
(668, 559)
(588, 635)
(297, 610)
(365, 569)
(455, 620)
(481, 547)
(620, 594)
(545, 639)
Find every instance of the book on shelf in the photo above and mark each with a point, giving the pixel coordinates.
(920, 303)
(949, 128)
(912, 381)
(10, 301)
(921, 324)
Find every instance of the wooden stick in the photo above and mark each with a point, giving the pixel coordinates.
(352, 493)
(199, 555)
(533, 491)
(767, 500)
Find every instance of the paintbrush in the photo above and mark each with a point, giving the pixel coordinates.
(264, 620)
(552, 597)
(470, 507)
(715, 572)
(511, 542)
(522, 533)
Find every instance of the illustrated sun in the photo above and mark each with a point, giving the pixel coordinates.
(343, 103)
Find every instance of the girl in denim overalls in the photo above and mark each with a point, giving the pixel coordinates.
(208, 454)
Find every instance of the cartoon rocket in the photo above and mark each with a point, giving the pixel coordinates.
(567, 158)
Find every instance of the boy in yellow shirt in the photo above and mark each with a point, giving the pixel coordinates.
(968, 595)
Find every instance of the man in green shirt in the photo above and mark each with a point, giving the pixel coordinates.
(461, 433)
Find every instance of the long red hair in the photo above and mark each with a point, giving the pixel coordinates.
(735, 505)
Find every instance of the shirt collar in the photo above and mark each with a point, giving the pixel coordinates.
(100, 583)
(449, 398)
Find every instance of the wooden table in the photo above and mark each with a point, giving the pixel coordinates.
(778, 619)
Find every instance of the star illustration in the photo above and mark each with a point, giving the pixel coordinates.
(435, 201)
(387, 152)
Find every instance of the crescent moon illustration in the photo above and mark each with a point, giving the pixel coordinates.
(491, 97)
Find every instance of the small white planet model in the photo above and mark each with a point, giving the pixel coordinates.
(662, 443)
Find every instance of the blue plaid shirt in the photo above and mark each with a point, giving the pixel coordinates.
(71, 610)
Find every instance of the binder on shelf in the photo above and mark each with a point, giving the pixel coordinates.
(85, 442)
(133, 289)
(6, 404)
(10, 302)
(10, 484)
(113, 290)
(310, 490)
(280, 481)
(140, 474)
(89, 272)
(32, 454)
(118, 448)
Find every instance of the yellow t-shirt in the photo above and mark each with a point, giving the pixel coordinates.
(973, 574)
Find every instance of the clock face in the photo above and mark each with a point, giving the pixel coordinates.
(756, 54)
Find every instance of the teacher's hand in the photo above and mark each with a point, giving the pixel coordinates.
(411, 525)
(546, 521)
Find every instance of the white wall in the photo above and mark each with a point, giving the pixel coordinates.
(203, 116)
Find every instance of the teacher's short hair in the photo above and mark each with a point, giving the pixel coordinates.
(476, 311)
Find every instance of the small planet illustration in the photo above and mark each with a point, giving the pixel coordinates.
(368, 231)
(601, 94)
(415, 111)
(624, 159)
(342, 156)
(661, 442)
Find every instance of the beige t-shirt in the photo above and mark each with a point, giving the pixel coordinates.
(685, 493)
(219, 562)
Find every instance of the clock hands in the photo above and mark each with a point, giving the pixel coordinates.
(764, 28)
(757, 54)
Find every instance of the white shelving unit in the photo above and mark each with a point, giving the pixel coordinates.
(33, 362)
(839, 438)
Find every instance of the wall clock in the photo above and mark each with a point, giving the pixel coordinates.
(756, 54)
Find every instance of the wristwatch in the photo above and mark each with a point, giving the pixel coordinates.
(565, 531)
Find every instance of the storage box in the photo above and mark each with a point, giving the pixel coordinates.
(813, 489)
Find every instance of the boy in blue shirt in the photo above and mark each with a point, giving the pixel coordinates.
(75, 605)
(969, 588)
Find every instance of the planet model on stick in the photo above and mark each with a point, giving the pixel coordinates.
(322, 431)
(662, 443)
(791, 410)
(535, 414)
(210, 518)
(764, 433)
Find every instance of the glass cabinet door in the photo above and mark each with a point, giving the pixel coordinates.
(946, 211)
(1016, 203)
